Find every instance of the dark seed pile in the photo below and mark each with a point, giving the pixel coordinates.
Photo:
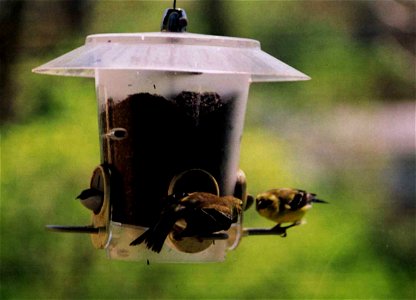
(164, 137)
(196, 105)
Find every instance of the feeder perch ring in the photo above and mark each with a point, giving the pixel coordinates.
(186, 182)
(100, 180)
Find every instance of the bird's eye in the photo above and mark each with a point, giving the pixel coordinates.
(263, 202)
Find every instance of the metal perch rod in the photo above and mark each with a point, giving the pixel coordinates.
(276, 230)
(75, 229)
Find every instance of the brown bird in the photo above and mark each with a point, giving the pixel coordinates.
(203, 214)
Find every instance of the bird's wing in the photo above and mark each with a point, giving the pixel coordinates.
(221, 218)
(299, 200)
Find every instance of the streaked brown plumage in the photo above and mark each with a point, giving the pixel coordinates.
(203, 214)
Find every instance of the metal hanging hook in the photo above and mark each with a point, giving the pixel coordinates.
(174, 19)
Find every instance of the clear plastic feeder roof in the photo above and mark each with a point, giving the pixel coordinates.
(171, 52)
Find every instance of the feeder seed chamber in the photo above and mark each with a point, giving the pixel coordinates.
(171, 108)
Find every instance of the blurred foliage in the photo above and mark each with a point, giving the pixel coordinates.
(300, 134)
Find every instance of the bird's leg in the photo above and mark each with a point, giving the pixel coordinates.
(278, 229)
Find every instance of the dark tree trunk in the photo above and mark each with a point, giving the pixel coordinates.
(11, 17)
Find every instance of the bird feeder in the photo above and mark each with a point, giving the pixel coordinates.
(171, 108)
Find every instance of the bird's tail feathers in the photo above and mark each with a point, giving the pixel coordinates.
(319, 201)
(141, 238)
(155, 236)
(158, 234)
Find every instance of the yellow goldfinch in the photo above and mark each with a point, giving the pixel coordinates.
(285, 205)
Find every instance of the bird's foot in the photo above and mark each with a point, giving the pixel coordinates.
(279, 230)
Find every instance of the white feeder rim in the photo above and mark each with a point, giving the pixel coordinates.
(171, 52)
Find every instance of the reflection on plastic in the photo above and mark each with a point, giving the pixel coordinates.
(121, 236)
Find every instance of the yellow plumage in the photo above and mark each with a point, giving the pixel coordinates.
(285, 205)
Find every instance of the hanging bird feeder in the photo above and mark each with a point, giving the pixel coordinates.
(171, 108)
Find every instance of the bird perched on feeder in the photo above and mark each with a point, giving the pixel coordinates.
(197, 214)
(92, 199)
(285, 205)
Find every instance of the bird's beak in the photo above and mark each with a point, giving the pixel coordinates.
(258, 203)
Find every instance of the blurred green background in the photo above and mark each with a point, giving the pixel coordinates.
(348, 135)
